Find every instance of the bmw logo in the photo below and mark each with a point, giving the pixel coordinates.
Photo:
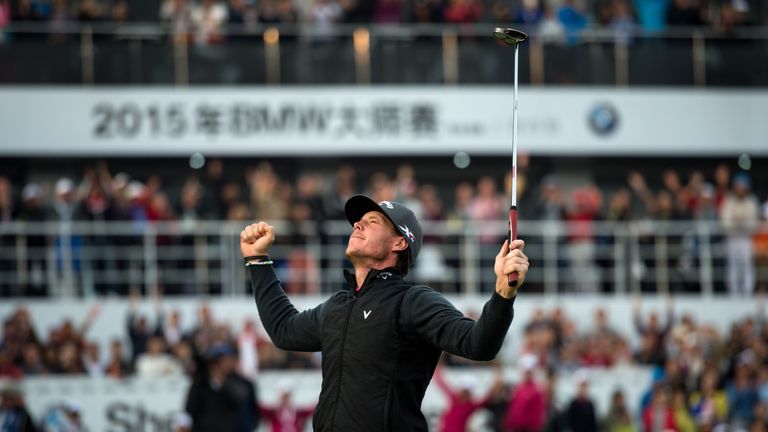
(603, 119)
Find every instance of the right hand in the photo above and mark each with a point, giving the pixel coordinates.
(256, 239)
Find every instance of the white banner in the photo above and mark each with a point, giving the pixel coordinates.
(309, 121)
(149, 405)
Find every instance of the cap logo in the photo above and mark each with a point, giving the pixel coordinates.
(407, 233)
(387, 204)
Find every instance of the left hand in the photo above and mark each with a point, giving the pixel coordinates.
(509, 260)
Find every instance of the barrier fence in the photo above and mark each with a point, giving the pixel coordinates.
(151, 53)
(111, 258)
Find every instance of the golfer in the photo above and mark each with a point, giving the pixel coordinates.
(380, 338)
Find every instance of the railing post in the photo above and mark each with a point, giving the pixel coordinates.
(272, 55)
(536, 61)
(201, 261)
(180, 61)
(620, 261)
(151, 273)
(86, 56)
(661, 255)
(23, 276)
(450, 57)
(551, 263)
(469, 259)
(705, 260)
(621, 62)
(699, 59)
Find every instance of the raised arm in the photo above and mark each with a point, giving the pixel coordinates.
(437, 321)
(288, 328)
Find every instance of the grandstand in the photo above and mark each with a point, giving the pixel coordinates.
(138, 138)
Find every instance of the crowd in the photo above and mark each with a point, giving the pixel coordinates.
(204, 20)
(653, 208)
(702, 379)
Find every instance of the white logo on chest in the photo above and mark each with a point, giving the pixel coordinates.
(366, 313)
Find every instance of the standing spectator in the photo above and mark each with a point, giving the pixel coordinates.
(207, 20)
(324, 14)
(652, 14)
(247, 347)
(463, 11)
(220, 400)
(739, 217)
(32, 210)
(581, 411)
(652, 330)
(527, 407)
(14, 416)
(388, 12)
(286, 416)
(683, 419)
(461, 404)
(179, 14)
(581, 249)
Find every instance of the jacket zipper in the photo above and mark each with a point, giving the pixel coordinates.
(341, 364)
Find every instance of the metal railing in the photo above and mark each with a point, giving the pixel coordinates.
(203, 258)
(148, 53)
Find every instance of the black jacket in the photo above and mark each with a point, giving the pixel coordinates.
(380, 345)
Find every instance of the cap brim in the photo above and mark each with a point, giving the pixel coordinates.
(357, 206)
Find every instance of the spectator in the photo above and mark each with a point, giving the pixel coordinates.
(686, 13)
(618, 418)
(117, 366)
(742, 395)
(286, 416)
(461, 404)
(14, 416)
(155, 362)
(659, 414)
(581, 411)
(179, 14)
(388, 12)
(527, 407)
(709, 404)
(324, 14)
(652, 14)
(219, 399)
(530, 12)
(652, 332)
(463, 11)
(207, 21)
(739, 216)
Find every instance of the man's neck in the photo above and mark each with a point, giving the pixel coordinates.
(362, 270)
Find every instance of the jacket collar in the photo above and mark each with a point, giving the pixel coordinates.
(389, 273)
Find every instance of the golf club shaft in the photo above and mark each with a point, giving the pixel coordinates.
(512, 279)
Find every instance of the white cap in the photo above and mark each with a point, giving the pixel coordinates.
(64, 185)
(528, 362)
(466, 382)
(31, 191)
(285, 386)
(582, 376)
(73, 407)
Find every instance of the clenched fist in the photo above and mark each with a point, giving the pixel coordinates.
(256, 239)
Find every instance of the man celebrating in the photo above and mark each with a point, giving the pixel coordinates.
(382, 337)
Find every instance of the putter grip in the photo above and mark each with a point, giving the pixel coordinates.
(512, 279)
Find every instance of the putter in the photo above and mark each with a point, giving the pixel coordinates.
(513, 37)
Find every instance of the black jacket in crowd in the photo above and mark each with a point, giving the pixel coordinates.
(380, 345)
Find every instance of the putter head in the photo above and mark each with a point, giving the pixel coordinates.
(510, 36)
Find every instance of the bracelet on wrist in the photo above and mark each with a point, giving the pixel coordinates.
(258, 263)
(256, 257)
